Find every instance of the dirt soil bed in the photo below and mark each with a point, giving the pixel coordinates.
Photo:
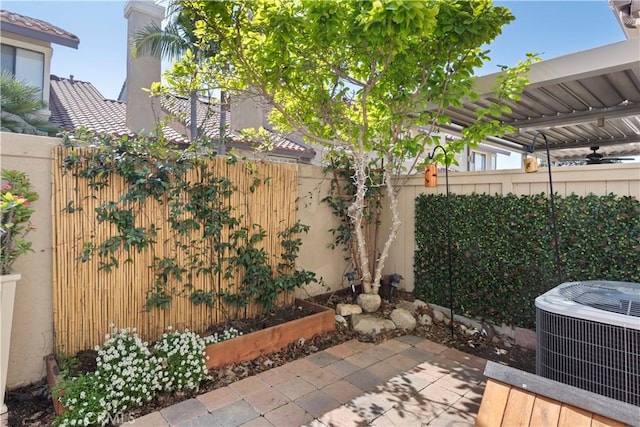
(31, 406)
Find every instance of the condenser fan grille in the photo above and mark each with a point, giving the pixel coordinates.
(613, 299)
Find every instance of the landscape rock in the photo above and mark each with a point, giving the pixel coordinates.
(369, 324)
(419, 304)
(370, 303)
(403, 319)
(348, 309)
(438, 316)
(425, 320)
(405, 305)
(341, 320)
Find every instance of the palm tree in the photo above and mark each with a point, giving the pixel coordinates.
(172, 42)
(19, 105)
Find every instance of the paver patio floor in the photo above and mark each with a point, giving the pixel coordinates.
(405, 381)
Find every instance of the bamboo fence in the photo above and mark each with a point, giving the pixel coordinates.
(86, 300)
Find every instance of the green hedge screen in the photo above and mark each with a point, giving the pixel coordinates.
(503, 255)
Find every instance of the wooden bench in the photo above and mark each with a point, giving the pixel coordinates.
(514, 398)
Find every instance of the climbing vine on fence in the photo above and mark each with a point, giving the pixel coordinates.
(207, 236)
(502, 249)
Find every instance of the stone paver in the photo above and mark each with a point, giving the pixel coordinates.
(249, 386)
(320, 377)
(289, 415)
(266, 400)
(204, 420)
(317, 403)
(372, 405)
(364, 380)
(417, 354)
(258, 422)
(183, 411)
(342, 417)
(276, 375)
(342, 368)
(218, 398)
(404, 381)
(411, 339)
(154, 419)
(322, 358)
(342, 391)
(300, 366)
(384, 370)
(295, 388)
(362, 360)
(236, 413)
(394, 345)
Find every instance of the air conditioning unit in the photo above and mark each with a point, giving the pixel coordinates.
(588, 336)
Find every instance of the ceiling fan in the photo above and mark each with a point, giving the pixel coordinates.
(596, 158)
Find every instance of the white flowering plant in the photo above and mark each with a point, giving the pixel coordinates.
(128, 374)
(183, 360)
(227, 334)
(81, 398)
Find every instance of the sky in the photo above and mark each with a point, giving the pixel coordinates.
(550, 28)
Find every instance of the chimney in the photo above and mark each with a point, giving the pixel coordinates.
(142, 110)
(248, 111)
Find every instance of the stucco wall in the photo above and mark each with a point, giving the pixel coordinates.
(315, 254)
(32, 336)
(621, 179)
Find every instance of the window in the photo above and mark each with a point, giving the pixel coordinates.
(478, 161)
(25, 64)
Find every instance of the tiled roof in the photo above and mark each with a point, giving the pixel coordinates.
(36, 28)
(76, 104)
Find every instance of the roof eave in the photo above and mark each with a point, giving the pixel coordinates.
(39, 35)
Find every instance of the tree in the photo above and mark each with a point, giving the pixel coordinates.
(361, 77)
(175, 42)
(20, 102)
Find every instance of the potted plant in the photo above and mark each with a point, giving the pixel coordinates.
(16, 195)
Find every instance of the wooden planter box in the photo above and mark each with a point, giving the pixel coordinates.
(249, 346)
(245, 347)
(52, 381)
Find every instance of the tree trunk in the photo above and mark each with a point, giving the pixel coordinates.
(395, 221)
(356, 213)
